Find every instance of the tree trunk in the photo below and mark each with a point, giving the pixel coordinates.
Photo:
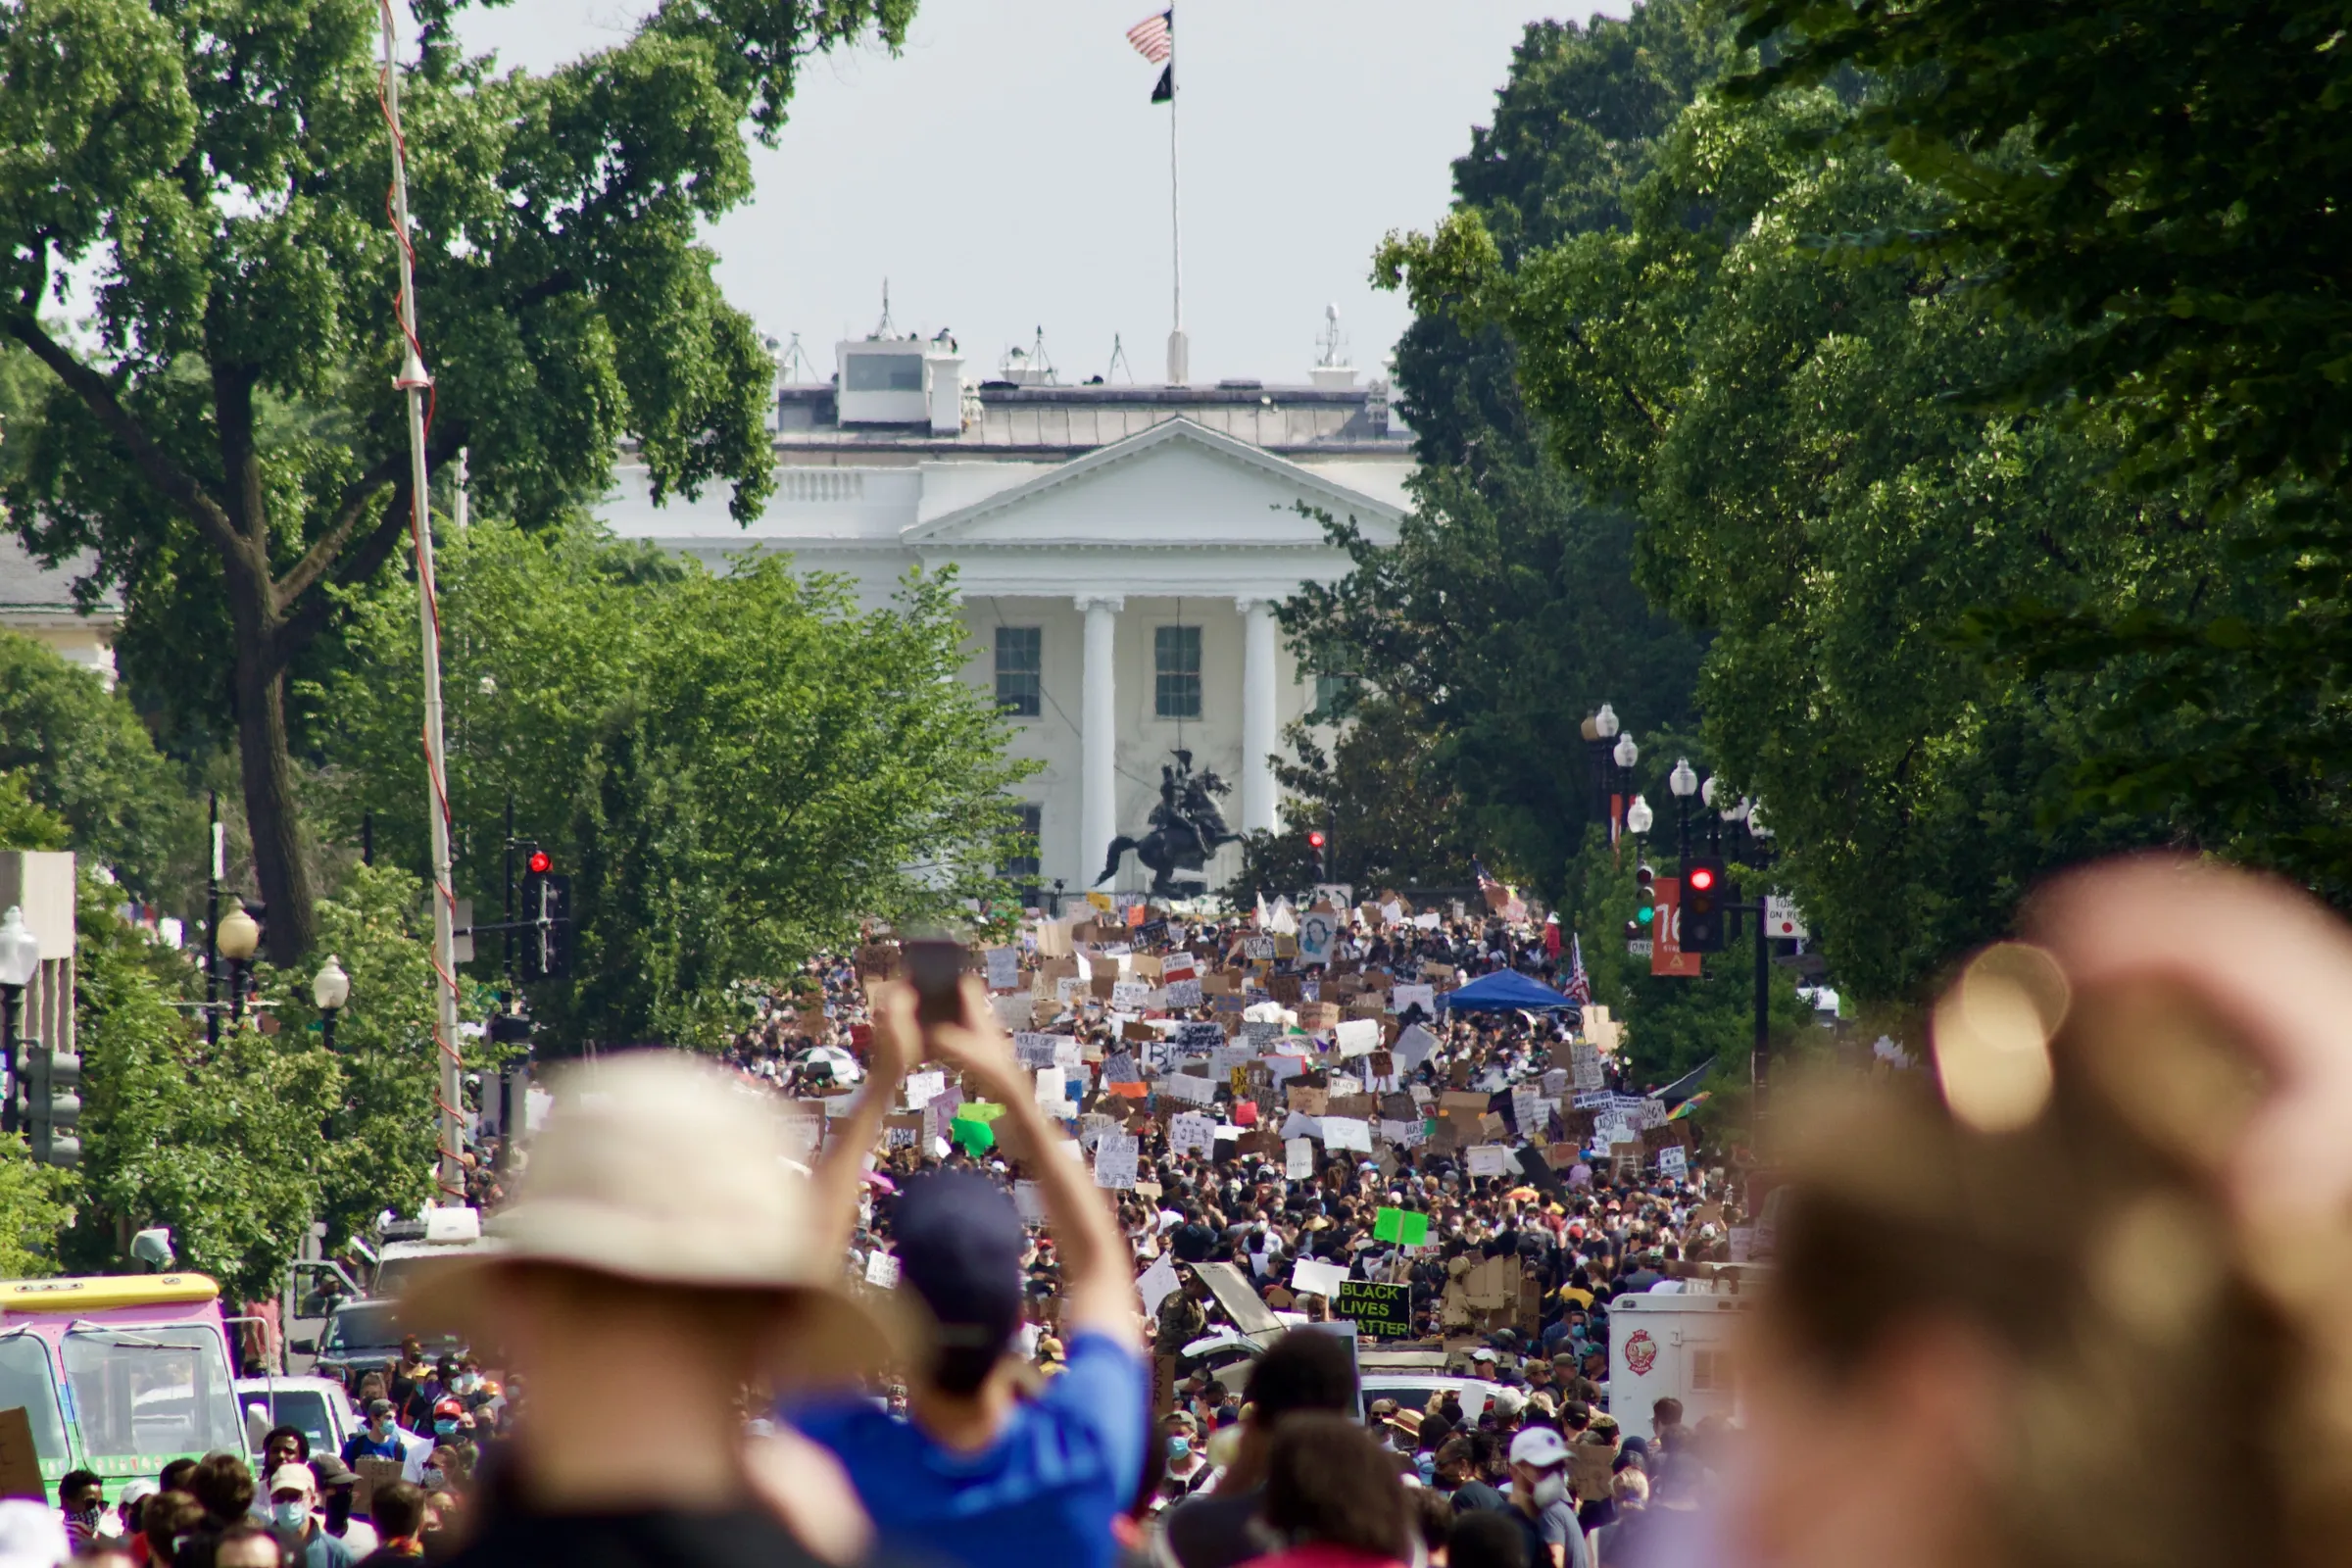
(270, 813)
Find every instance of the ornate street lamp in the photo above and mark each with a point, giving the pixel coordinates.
(239, 938)
(1638, 818)
(330, 988)
(1684, 783)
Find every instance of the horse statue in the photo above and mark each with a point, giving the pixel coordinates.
(1186, 828)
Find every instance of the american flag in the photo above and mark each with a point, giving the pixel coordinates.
(1579, 988)
(1155, 37)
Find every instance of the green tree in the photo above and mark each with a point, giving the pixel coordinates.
(734, 769)
(219, 1142)
(228, 441)
(36, 1204)
(2169, 183)
(1782, 417)
(81, 753)
(1507, 613)
(25, 822)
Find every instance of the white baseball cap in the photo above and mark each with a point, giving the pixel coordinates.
(1539, 1448)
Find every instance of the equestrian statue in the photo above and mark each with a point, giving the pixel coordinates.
(1186, 828)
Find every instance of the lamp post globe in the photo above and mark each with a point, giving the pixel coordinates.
(19, 951)
(331, 986)
(239, 936)
(1683, 780)
(1605, 723)
(1757, 825)
(1627, 753)
(1638, 817)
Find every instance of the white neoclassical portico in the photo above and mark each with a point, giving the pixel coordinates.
(1121, 603)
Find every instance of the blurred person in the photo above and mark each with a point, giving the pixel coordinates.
(1333, 1499)
(380, 1439)
(1623, 1541)
(397, 1512)
(1540, 1502)
(973, 1473)
(1432, 1518)
(130, 1506)
(1302, 1371)
(338, 1489)
(31, 1534)
(1996, 1289)
(1187, 1466)
(246, 1544)
(82, 1505)
(1484, 1539)
(654, 1235)
(167, 1522)
(294, 1512)
(283, 1446)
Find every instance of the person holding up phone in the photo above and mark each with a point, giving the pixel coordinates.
(973, 1473)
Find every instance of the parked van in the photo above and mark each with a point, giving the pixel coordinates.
(119, 1374)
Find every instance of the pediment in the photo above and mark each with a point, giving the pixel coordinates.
(1175, 484)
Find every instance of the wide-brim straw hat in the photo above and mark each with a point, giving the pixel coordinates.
(659, 1167)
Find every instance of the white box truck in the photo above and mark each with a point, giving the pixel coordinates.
(1673, 1346)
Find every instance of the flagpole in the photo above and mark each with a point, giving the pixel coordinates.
(1179, 351)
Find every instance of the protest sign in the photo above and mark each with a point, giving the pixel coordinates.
(1674, 1161)
(1183, 994)
(1191, 1090)
(1404, 1227)
(1115, 1161)
(1358, 1037)
(1157, 1284)
(924, 1087)
(1191, 1133)
(1406, 998)
(1298, 1159)
(881, 1269)
(1413, 1048)
(1486, 1159)
(1384, 1311)
(1130, 996)
(21, 1462)
(1346, 1132)
(1318, 930)
(1029, 1201)
(1195, 1036)
(1311, 1276)
(1035, 1049)
(1004, 968)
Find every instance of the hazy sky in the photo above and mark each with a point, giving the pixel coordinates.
(1007, 172)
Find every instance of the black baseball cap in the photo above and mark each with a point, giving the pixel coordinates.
(960, 1244)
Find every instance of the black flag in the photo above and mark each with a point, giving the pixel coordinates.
(1165, 92)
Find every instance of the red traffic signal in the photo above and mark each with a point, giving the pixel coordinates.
(1314, 839)
(540, 863)
(1702, 879)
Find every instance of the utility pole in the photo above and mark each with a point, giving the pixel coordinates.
(413, 380)
(212, 922)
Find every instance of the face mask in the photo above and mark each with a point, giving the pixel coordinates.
(1179, 1448)
(291, 1515)
(445, 1429)
(380, 1424)
(467, 1383)
(432, 1479)
(1550, 1489)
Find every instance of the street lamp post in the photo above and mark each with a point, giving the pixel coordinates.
(330, 988)
(239, 936)
(20, 961)
(1600, 732)
(1685, 784)
(1624, 753)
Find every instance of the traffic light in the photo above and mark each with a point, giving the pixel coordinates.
(1316, 842)
(1707, 900)
(547, 915)
(1638, 931)
(48, 1107)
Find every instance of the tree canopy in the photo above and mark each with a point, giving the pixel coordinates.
(226, 438)
(1507, 612)
(734, 769)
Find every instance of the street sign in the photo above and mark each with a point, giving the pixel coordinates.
(1780, 917)
(1666, 955)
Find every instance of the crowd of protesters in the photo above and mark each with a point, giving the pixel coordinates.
(728, 1332)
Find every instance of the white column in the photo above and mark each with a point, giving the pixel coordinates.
(1257, 714)
(1097, 736)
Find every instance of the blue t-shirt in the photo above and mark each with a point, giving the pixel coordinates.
(1043, 1495)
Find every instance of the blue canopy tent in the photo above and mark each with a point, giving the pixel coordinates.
(1505, 991)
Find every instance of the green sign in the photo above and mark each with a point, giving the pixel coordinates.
(1401, 1227)
(1384, 1311)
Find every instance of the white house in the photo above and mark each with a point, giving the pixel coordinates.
(1119, 551)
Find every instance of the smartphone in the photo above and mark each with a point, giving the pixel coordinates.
(935, 967)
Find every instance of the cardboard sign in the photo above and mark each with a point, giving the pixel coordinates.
(19, 1464)
(1384, 1311)
(374, 1473)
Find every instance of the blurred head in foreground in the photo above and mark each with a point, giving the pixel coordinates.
(657, 1228)
(2015, 1302)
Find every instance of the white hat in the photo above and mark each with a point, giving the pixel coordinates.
(138, 1490)
(661, 1167)
(293, 1478)
(31, 1534)
(1539, 1448)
